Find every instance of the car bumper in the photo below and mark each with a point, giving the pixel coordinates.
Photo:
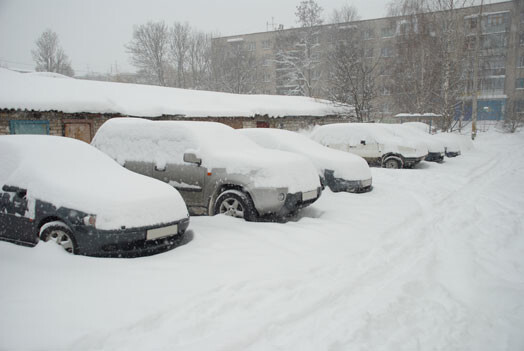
(130, 242)
(296, 201)
(435, 157)
(452, 153)
(412, 161)
(352, 186)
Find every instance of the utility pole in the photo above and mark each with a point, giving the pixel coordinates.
(474, 109)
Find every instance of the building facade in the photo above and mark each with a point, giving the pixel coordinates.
(500, 59)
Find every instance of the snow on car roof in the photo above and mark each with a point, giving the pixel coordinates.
(352, 133)
(345, 165)
(218, 146)
(162, 141)
(43, 92)
(70, 173)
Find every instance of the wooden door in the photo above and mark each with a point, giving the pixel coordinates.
(262, 124)
(78, 130)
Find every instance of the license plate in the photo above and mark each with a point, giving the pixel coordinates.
(158, 233)
(309, 195)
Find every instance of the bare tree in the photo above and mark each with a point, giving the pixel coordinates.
(149, 49)
(347, 13)
(234, 68)
(199, 59)
(49, 56)
(298, 54)
(354, 71)
(430, 67)
(180, 42)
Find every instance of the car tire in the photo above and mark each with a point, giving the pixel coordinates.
(60, 233)
(236, 204)
(392, 163)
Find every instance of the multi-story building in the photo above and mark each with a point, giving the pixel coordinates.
(500, 58)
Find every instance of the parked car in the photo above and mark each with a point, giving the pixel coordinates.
(436, 149)
(64, 190)
(215, 169)
(451, 147)
(340, 171)
(375, 144)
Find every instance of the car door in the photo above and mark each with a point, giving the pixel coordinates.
(188, 179)
(15, 223)
(367, 147)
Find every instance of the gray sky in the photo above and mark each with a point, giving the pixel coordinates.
(93, 32)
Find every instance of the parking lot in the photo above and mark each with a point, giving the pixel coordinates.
(432, 258)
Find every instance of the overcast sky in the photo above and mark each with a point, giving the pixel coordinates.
(93, 32)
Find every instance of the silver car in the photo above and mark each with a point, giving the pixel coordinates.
(215, 169)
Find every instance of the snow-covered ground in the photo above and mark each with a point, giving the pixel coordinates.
(431, 259)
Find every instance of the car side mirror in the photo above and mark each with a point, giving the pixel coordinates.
(363, 142)
(21, 193)
(192, 158)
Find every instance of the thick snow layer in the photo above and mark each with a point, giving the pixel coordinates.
(408, 133)
(70, 173)
(344, 165)
(219, 146)
(343, 135)
(423, 129)
(43, 93)
(431, 259)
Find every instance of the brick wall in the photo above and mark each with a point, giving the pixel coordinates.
(57, 120)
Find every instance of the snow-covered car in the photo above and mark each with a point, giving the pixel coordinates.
(375, 144)
(340, 171)
(62, 189)
(436, 149)
(215, 169)
(452, 148)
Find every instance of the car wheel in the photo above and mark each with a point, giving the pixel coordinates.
(60, 234)
(236, 204)
(392, 163)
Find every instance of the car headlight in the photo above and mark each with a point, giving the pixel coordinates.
(90, 220)
(281, 197)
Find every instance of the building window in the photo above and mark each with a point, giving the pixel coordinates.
(386, 91)
(267, 77)
(368, 34)
(521, 62)
(28, 127)
(369, 52)
(386, 51)
(492, 85)
(494, 66)
(495, 20)
(315, 74)
(251, 46)
(266, 44)
(472, 23)
(387, 32)
(520, 83)
(494, 41)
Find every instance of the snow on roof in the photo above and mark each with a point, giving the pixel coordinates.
(417, 115)
(42, 93)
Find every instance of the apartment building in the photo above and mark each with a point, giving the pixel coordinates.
(501, 59)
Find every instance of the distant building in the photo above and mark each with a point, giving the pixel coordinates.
(501, 86)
